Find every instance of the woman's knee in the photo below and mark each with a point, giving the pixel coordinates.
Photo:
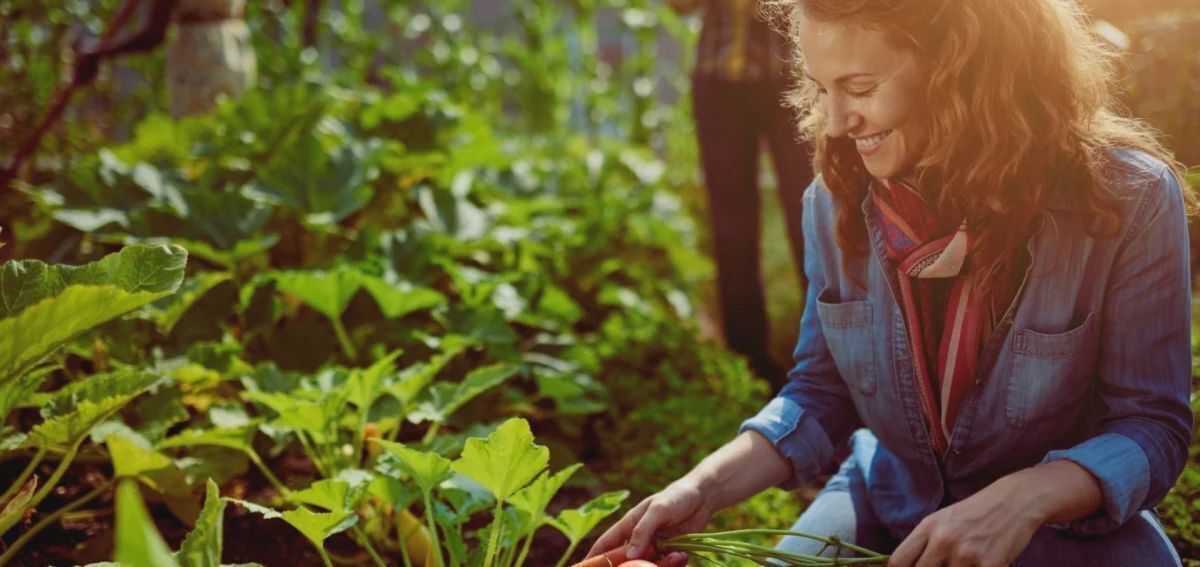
(1140, 542)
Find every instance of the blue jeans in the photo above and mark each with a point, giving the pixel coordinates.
(842, 509)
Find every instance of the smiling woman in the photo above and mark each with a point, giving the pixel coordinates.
(873, 95)
(998, 310)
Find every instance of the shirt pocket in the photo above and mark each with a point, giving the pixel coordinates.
(848, 332)
(1050, 372)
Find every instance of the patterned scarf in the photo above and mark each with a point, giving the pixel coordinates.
(945, 319)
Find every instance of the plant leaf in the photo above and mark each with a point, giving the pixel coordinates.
(365, 385)
(12, 394)
(534, 498)
(148, 466)
(415, 378)
(317, 526)
(238, 438)
(65, 430)
(504, 462)
(398, 300)
(138, 543)
(445, 398)
(576, 523)
(332, 495)
(125, 383)
(203, 545)
(327, 292)
(16, 504)
(427, 469)
(44, 306)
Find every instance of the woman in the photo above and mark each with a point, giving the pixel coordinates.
(999, 295)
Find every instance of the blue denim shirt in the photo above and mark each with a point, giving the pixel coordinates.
(1091, 364)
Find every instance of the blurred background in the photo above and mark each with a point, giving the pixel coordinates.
(534, 161)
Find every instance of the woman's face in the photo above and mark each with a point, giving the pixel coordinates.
(871, 92)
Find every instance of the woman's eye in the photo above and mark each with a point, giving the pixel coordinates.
(862, 93)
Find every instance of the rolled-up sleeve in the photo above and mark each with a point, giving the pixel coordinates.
(814, 412)
(1145, 365)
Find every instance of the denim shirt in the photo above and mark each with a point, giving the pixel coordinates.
(1091, 364)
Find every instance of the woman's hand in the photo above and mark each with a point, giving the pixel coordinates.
(679, 508)
(993, 526)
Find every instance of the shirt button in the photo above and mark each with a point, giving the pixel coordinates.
(957, 451)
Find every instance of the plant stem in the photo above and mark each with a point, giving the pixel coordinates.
(17, 484)
(567, 555)
(254, 458)
(433, 535)
(764, 531)
(50, 519)
(366, 543)
(5, 525)
(324, 556)
(497, 531)
(344, 339)
(313, 455)
(431, 433)
(525, 548)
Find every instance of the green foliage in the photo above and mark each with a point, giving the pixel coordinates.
(138, 543)
(402, 243)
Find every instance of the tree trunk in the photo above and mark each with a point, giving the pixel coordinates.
(210, 55)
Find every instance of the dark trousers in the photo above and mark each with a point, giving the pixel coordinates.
(731, 119)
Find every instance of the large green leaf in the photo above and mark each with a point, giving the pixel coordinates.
(238, 438)
(504, 462)
(202, 547)
(138, 543)
(64, 430)
(125, 383)
(576, 523)
(445, 398)
(12, 394)
(150, 467)
(44, 306)
(317, 526)
(400, 299)
(323, 185)
(330, 494)
(427, 469)
(327, 292)
(534, 498)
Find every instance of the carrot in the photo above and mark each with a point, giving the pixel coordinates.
(611, 558)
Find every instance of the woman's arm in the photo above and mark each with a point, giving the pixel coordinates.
(725, 478)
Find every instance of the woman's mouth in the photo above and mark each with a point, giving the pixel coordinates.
(868, 145)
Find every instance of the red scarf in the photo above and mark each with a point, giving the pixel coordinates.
(945, 318)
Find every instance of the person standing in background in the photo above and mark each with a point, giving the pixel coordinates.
(740, 77)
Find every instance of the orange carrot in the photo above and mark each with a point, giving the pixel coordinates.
(611, 558)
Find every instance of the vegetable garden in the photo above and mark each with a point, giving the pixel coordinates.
(429, 292)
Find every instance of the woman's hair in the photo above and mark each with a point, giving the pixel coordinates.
(1021, 106)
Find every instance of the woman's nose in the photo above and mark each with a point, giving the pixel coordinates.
(840, 119)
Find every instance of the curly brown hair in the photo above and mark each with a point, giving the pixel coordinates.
(1021, 107)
